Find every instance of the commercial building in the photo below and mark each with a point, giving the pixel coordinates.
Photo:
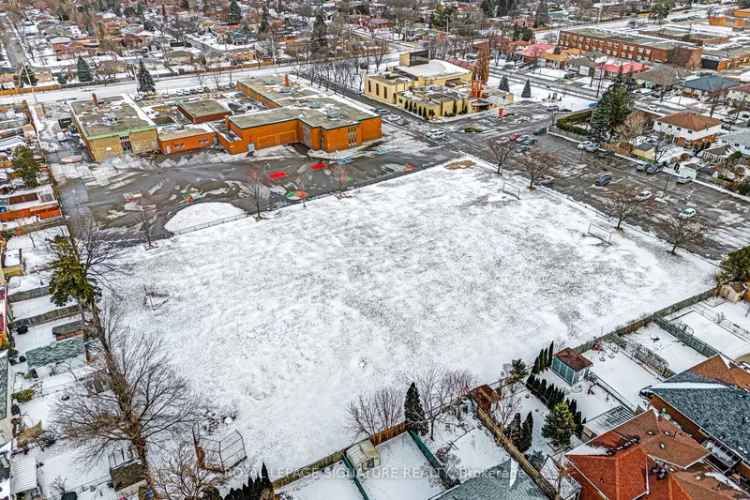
(203, 110)
(112, 126)
(297, 114)
(182, 139)
(635, 47)
(431, 88)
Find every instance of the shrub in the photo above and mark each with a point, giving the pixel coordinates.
(24, 396)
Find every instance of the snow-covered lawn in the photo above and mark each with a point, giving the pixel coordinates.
(541, 94)
(622, 373)
(35, 249)
(403, 474)
(201, 213)
(468, 448)
(40, 335)
(33, 307)
(591, 400)
(715, 335)
(287, 319)
(332, 483)
(679, 356)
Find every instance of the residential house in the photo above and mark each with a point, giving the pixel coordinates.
(718, 153)
(711, 401)
(740, 95)
(739, 140)
(688, 129)
(708, 86)
(647, 457)
(535, 51)
(506, 481)
(661, 76)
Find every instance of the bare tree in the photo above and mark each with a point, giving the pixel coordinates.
(441, 391)
(133, 399)
(180, 476)
(682, 231)
(258, 189)
(502, 151)
(537, 164)
(624, 204)
(506, 406)
(635, 125)
(662, 146)
(377, 411)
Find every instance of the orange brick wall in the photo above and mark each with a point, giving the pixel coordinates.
(274, 134)
(371, 129)
(198, 141)
(43, 212)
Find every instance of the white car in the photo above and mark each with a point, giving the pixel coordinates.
(588, 146)
(435, 134)
(687, 213)
(684, 179)
(644, 195)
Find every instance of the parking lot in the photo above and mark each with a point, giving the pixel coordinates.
(129, 195)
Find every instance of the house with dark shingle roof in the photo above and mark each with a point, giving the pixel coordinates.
(711, 401)
(648, 457)
(506, 481)
(708, 86)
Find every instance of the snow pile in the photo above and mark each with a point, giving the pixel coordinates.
(201, 213)
(288, 319)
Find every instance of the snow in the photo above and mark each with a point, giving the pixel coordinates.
(305, 309)
(622, 373)
(332, 483)
(403, 474)
(39, 335)
(591, 400)
(35, 248)
(588, 449)
(540, 94)
(471, 448)
(202, 213)
(687, 385)
(714, 335)
(679, 356)
(32, 307)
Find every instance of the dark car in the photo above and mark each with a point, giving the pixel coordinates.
(652, 169)
(540, 131)
(603, 180)
(605, 153)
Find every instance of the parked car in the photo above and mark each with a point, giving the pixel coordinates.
(684, 179)
(436, 134)
(641, 166)
(605, 153)
(545, 180)
(522, 138)
(644, 195)
(514, 136)
(687, 213)
(588, 146)
(540, 131)
(652, 169)
(603, 180)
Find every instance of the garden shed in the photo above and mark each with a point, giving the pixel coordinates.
(363, 456)
(570, 365)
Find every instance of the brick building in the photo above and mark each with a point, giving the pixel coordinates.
(112, 126)
(203, 110)
(297, 115)
(633, 47)
(178, 140)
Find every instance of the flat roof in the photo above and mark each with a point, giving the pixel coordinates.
(647, 41)
(202, 107)
(170, 134)
(110, 116)
(272, 88)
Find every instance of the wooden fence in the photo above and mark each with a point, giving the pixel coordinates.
(496, 429)
(308, 469)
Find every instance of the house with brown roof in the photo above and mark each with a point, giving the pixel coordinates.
(647, 457)
(689, 129)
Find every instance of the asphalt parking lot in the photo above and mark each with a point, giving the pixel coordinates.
(132, 196)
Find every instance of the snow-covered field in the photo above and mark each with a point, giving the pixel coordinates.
(622, 373)
(287, 319)
(679, 356)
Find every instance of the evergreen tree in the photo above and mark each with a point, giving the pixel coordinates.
(26, 76)
(26, 166)
(542, 15)
(550, 354)
(139, 9)
(572, 405)
(518, 371)
(559, 425)
(488, 8)
(514, 430)
(83, 71)
(542, 389)
(599, 125)
(265, 477)
(413, 411)
(504, 84)
(531, 383)
(145, 82)
(235, 13)
(548, 393)
(62, 78)
(527, 433)
(319, 39)
(264, 26)
(536, 367)
(185, 5)
(526, 94)
(70, 279)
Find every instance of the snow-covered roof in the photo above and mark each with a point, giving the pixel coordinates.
(432, 69)
(23, 473)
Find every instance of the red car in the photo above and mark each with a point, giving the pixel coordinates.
(514, 136)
